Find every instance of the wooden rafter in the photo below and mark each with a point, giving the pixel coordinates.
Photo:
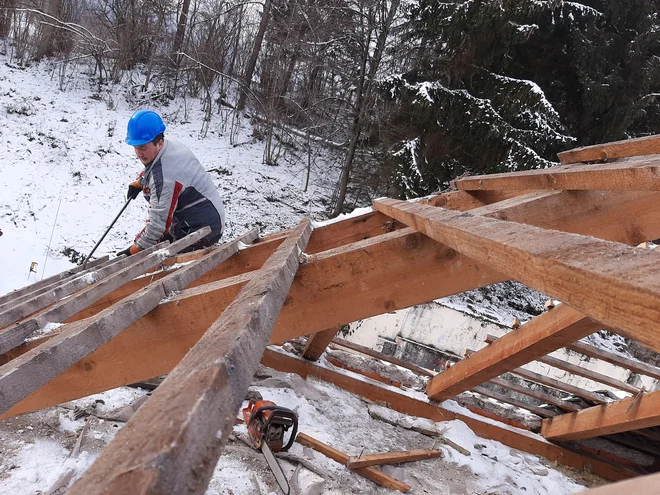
(647, 145)
(543, 334)
(644, 485)
(639, 174)
(609, 282)
(171, 445)
(317, 343)
(372, 390)
(615, 359)
(539, 411)
(392, 458)
(536, 394)
(29, 372)
(578, 370)
(616, 417)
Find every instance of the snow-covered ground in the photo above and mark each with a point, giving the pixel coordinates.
(65, 168)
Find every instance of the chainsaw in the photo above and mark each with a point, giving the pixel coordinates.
(266, 423)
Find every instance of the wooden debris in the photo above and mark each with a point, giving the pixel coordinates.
(392, 458)
(370, 473)
(515, 324)
(549, 304)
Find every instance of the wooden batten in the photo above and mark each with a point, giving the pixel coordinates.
(647, 145)
(317, 343)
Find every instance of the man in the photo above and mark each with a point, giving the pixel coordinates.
(182, 198)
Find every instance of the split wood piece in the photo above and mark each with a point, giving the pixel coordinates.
(512, 437)
(55, 279)
(638, 174)
(545, 333)
(539, 411)
(88, 277)
(577, 370)
(551, 382)
(370, 473)
(647, 145)
(615, 359)
(17, 334)
(317, 343)
(383, 357)
(173, 442)
(609, 282)
(536, 394)
(30, 371)
(606, 419)
(450, 443)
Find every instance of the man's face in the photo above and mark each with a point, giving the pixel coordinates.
(147, 152)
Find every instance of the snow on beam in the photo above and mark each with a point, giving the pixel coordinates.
(644, 485)
(609, 282)
(615, 359)
(173, 442)
(641, 411)
(639, 174)
(494, 430)
(647, 145)
(545, 333)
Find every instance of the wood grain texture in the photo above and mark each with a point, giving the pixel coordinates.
(392, 458)
(318, 342)
(536, 394)
(647, 145)
(615, 359)
(173, 442)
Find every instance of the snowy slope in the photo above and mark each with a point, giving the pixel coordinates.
(66, 150)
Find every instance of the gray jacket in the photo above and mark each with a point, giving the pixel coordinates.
(182, 197)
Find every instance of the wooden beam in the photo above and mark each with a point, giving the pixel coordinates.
(609, 282)
(392, 458)
(643, 485)
(616, 359)
(639, 174)
(577, 370)
(616, 417)
(383, 357)
(648, 145)
(56, 279)
(74, 284)
(173, 442)
(370, 473)
(536, 394)
(372, 390)
(27, 373)
(317, 343)
(539, 411)
(543, 334)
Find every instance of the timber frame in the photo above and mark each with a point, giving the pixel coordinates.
(571, 232)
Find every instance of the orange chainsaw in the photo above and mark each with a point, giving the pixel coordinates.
(266, 423)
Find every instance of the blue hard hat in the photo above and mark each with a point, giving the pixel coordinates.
(143, 127)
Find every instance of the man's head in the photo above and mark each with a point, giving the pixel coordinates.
(145, 134)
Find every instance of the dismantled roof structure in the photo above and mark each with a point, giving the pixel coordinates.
(206, 318)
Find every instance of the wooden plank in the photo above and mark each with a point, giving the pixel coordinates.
(539, 411)
(383, 357)
(643, 485)
(578, 370)
(615, 359)
(173, 442)
(392, 458)
(317, 343)
(536, 394)
(512, 437)
(543, 334)
(468, 200)
(647, 145)
(606, 419)
(17, 334)
(370, 473)
(27, 373)
(638, 174)
(40, 288)
(82, 280)
(609, 282)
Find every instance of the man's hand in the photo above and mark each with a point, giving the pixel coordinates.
(133, 249)
(134, 189)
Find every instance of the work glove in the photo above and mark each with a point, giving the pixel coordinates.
(134, 189)
(133, 249)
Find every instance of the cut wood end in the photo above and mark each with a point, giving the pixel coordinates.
(549, 304)
(515, 323)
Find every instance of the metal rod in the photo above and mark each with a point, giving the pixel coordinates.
(43, 272)
(106, 232)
